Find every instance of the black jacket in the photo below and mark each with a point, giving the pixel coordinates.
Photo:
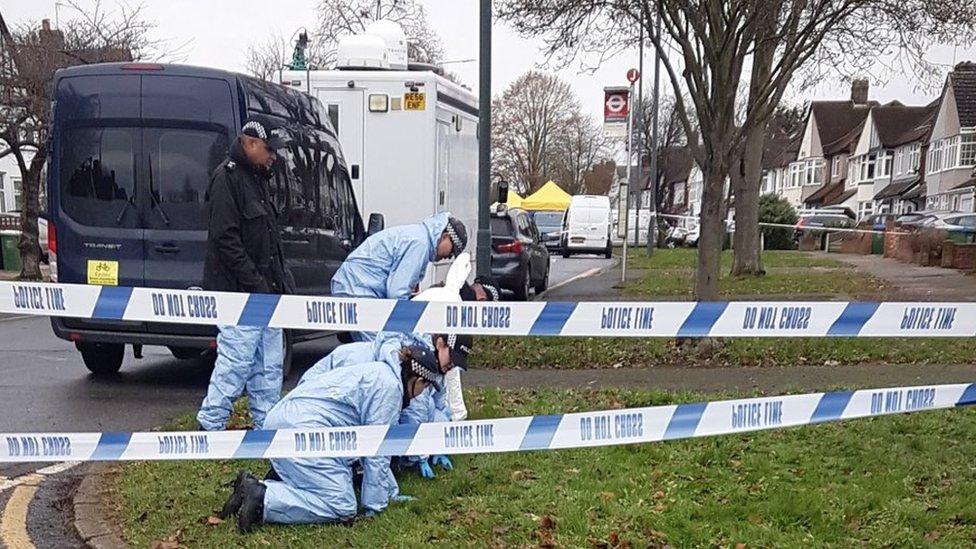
(243, 241)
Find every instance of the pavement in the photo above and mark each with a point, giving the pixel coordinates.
(910, 282)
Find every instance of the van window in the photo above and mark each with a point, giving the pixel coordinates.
(500, 226)
(89, 97)
(98, 170)
(180, 163)
(188, 98)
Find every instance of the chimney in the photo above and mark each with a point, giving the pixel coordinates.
(859, 91)
(46, 25)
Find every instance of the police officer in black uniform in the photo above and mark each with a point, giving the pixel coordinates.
(244, 255)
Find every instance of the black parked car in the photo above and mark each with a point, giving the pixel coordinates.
(519, 258)
(550, 225)
(132, 149)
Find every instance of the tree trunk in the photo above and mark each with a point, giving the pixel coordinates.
(747, 179)
(29, 242)
(712, 232)
(746, 255)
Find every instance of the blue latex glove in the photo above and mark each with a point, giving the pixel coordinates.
(400, 498)
(442, 461)
(425, 470)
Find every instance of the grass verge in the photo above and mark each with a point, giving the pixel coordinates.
(589, 353)
(894, 481)
(671, 273)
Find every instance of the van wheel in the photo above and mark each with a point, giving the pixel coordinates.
(186, 353)
(566, 253)
(286, 358)
(609, 253)
(102, 359)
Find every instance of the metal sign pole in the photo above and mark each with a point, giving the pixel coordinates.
(625, 192)
(483, 256)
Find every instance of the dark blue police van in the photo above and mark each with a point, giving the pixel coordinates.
(132, 148)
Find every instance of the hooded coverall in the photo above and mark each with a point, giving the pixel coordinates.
(320, 490)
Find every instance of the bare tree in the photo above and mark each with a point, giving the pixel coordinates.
(337, 19)
(527, 120)
(580, 146)
(33, 53)
(705, 46)
(671, 136)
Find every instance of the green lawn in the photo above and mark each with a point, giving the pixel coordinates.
(893, 481)
(671, 273)
(578, 352)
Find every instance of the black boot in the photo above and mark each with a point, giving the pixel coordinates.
(251, 512)
(272, 474)
(233, 503)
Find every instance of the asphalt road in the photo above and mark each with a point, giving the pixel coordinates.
(44, 386)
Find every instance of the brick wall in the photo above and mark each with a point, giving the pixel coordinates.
(959, 256)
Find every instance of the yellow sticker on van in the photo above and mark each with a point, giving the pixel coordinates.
(103, 273)
(414, 101)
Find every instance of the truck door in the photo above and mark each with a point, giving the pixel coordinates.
(346, 110)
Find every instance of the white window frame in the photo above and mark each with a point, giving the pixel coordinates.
(835, 166)
(914, 158)
(967, 143)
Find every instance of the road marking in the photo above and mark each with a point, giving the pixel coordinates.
(22, 317)
(585, 274)
(6, 484)
(13, 522)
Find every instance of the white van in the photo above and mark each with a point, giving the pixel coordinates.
(586, 226)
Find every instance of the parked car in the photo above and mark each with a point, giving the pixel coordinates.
(550, 228)
(877, 221)
(132, 149)
(822, 223)
(586, 226)
(922, 218)
(519, 259)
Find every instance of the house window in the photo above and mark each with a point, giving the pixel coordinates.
(899, 161)
(835, 166)
(914, 157)
(18, 195)
(864, 209)
(796, 169)
(967, 149)
(950, 153)
(884, 164)
(935, 157)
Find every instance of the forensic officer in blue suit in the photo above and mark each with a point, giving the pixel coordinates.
(320, 490)
(391, 262)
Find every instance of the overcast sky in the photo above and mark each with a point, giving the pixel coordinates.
(216, 34)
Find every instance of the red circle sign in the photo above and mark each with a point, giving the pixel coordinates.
(616, 103)
(633, 75)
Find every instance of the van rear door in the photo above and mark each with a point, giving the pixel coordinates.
(95, 207)
(187, 131)
(346, 111)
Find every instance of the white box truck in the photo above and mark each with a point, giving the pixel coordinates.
(410, 135)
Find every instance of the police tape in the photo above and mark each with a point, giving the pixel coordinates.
(548, 432)
(538, 318)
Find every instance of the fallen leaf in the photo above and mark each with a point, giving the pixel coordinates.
(740, 545)
(934, 535)
(547, 523)
(165, 544)
(214, 521)
(659, 494)
(608, 496)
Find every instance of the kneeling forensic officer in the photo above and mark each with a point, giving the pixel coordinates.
(320, 490)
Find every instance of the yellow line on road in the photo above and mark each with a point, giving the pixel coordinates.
(13, 522)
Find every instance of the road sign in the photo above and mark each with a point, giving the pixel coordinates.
(633, 75)
(615, 105)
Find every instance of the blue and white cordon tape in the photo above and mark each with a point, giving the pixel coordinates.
(577, 430)
(552, 318)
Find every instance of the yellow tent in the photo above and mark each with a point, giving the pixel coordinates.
(514, 201)
(549, 198)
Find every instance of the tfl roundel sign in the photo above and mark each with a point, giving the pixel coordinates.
(615, 104)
